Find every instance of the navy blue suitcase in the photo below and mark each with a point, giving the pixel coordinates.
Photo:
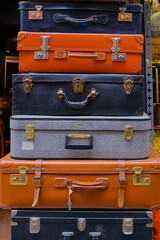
(78, 94)
(81, 225)
(80, 18)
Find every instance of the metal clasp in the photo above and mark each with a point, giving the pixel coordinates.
(81, 224)
(128, 85)
(128, 226)
(36, 15)
(116, 56)
(38, 55)
(78, 84)
(124, 17)
(21, 178)
(140, 179)
(27, 84)
(34, 225)
(29, 131)
(128, 132)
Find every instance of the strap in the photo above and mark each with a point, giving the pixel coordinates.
(38, 181)
(121, 183)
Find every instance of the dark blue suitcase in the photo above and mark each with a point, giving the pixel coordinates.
(78, 94)
(81, 225)
(80, 18)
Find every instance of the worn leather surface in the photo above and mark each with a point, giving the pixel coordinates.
(81, 18)
(111, 97)
(81, 45)
(136, 197)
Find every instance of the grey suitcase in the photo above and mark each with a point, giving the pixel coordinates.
(51, 137)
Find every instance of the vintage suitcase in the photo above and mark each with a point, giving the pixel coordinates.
(78, 94)
(86, 225)
(80, 18)
(80, 184)
(77, 1)
(80, 53)
(51, 137)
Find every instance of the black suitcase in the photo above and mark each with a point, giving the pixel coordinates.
(80, 18)
(78, 94)
(81, 225)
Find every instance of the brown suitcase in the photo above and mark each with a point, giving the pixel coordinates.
(80, 53)
(85, 184)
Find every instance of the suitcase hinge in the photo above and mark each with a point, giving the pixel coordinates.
(128, 132)
(116, 56)
(29, 131)
(44, 54)
(27, 84)
(140, 179)
(128, 226)
(78, 84)
(21, 178)
(124, 17)
(34, 225)
(128, 85)
(36, 15)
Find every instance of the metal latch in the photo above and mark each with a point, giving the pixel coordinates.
(29, 131)
(40, 55)
(128, 85)
(34, 225)
(21, 178)
(140, 179)
(81, 224)
(78, 84)
(128, 132)
(128, 226)
(27, 84)
(124, 17)
(116, 56)
(36, 15)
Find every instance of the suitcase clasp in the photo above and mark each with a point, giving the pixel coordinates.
(34, 225)
(29, 131)
(124, 17)
(36, 15)
(21, 178)
(116, 56)
(128, 85)
(78, 84)
(27, 84)
(128, 226)
(44, 54)
(140, 179)
(128, 132)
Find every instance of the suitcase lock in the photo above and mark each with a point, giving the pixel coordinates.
(128, 226)
(124, 17)
(44, 54)
(128, 85)
(36, 15)
(116, 56)
(34, 225)
(27, 84)
(140, 179)
(21, 178)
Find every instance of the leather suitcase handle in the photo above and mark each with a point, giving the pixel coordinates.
(99, 183)
(77, 105)
(59, 18)
(98, 56)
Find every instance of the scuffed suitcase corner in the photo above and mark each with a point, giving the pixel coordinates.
(5, 162)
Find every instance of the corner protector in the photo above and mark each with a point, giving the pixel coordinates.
(21, 36)
(14, 213)
(14, 224)
(139, 39)
(150, 214)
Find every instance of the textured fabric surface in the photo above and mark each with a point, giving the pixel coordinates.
(108, 139)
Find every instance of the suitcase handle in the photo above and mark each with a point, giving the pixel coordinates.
(79, 146)
(60, 18)
(98, 56)
(77, 105)
(99, 183)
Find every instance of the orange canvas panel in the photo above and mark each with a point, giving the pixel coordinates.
(85, 184)
(80, 53)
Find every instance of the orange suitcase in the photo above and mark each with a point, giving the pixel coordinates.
(85, 184)
(80, 53)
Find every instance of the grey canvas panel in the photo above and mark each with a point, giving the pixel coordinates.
(84, 138)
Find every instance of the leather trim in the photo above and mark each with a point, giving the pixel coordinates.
(38, 181)
(122, 181)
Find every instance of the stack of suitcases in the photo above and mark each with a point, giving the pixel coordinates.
(80, 165)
